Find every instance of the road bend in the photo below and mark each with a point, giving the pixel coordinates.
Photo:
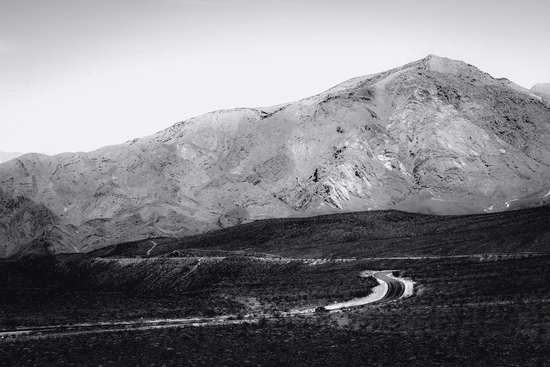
(396, 288)
(151, 249)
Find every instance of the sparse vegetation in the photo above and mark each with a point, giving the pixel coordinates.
(290, 343)
(66, 290)
(466, 311)
(489, 309)
(367, 234)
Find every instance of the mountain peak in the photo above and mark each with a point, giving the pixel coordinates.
(445, 65)
(434, 57)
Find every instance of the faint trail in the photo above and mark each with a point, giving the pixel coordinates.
(313, 262)
(193, 269)
(509, 201)
(151, 249)
(434, 196)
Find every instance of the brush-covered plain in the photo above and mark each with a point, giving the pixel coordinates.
(481, 295)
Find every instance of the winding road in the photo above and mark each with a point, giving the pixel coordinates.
(393, 289)
(151, 249)
(396, 288)
(390, 289)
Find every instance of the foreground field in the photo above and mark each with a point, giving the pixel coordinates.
(65, 290)
(295, 343)
(465, 311)
(480, 298)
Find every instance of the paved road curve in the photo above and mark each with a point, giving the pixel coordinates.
(396, 288)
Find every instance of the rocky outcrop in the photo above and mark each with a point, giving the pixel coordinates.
(435, 136)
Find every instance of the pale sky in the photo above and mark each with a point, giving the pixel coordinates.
(78, 75)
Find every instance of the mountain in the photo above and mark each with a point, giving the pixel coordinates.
(6, 156)
(30, 228)
(542, 89)
(434, 136)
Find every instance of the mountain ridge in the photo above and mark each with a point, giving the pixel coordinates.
(6, 156)
(433, 136)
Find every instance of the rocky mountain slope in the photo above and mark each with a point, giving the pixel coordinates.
(434, 136)
(32, 228)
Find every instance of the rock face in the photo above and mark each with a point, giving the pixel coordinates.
(27, 227)
(434, 136)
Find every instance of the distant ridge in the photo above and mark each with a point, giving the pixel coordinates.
(542, 89)
(6, 156)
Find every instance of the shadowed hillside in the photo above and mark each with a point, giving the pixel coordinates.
(366, 234)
